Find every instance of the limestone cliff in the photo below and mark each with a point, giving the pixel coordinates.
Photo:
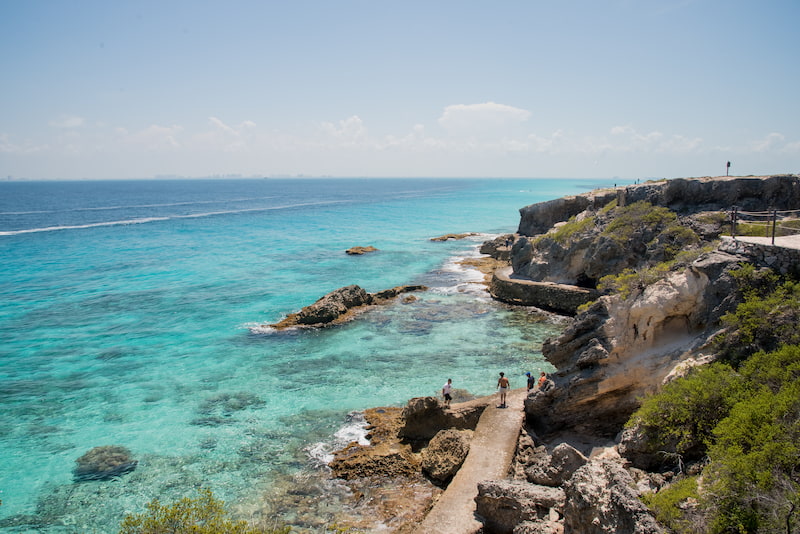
(619, 350)
(628, 342)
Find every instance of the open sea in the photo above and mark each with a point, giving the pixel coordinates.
(130, 315)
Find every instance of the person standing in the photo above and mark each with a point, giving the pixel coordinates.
(446, 392)
(503, 384)
(531, 381)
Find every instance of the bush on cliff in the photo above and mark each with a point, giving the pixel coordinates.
(749, 421)
(753, 478)
(631, 282)
(681, 418)
(766, 320)
(568, 231)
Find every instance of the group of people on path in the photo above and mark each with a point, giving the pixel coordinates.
(503, 385)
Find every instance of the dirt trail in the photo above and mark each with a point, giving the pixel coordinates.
(490, 454)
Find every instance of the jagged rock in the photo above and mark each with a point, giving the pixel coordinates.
(447, 237)
(337, 305)
(684, 195)
(540, 217)
(358, 251)
(445, 453)
(593, 354)
(385, 455)
(588, 254)
(638, 445)
(103, 463)
(527, 454)
(424, 417)
(357, 461)
(388, 294)
(498, 248)
(601, 499)
(557, 467)
(504, 505)
(619, 350)
(333, 305)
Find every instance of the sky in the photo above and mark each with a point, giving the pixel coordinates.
(433, 88)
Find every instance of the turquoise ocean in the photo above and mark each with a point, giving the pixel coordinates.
(131, 313)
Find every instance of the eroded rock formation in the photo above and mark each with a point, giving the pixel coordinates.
(358, 251)
(337, 306)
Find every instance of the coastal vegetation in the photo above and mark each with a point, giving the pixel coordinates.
(737, 421)
(204, 514)
(631, 282)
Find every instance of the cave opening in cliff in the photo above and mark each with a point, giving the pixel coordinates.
(585, 281)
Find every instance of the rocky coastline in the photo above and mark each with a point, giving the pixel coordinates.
(576, 467)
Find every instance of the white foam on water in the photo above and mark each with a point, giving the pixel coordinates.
(354, 430)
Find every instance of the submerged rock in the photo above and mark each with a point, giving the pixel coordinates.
(103, 463)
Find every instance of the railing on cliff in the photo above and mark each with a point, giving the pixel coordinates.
(774, 223)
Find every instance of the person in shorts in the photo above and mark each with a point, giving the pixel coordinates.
(502, 385)
(446, 391)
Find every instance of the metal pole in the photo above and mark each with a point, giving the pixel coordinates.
(774, 221)
(733, 222)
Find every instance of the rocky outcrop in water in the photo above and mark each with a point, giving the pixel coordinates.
(337, 306)
(448, 237)
(358, 251)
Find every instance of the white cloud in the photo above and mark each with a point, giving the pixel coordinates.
(350, 130)
(9, 147)
(67, 122)
(488, 117)
(773, 141)
(154, 137)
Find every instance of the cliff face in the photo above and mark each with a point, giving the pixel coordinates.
(582, 242)
(683, 195)
(627, 344)
(619, 350)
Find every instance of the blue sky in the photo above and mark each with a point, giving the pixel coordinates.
(618, 88)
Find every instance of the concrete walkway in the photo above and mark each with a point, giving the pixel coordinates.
(789, 241)
(490, 454)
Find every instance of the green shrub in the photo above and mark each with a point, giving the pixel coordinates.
(632, 282)
(749, 422)
(573, 227)
(637, 217)
(761, 323)
(684, 414)
(203, 515)
(753, 482)
(670, 504)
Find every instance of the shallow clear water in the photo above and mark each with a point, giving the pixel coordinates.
(127, 312)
